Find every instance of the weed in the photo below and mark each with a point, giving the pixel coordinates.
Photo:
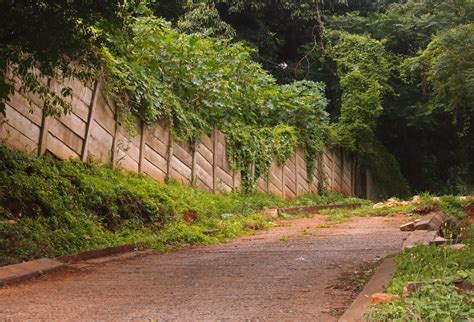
(285, 239)
(439, 299)
(309, 233)
(334, 198)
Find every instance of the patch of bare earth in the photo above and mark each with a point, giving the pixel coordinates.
(292, 272)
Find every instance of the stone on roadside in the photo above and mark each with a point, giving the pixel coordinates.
(439, 241)
(457, 246)
(464, 285)
(409, 226)
(378, 205)
(412, 287)
(272, 213)
(383, 298)
(8, 222)
(433, 221)
(419, 237)
(391, 202)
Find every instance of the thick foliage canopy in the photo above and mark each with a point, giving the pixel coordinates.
(196, 83)
(40, 39)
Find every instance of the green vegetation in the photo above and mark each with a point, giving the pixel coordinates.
(195, 83)
(63, 207)
(364, 211)
(389, 82)
(442, 270)
(405, 100)
(330, 198)
(439, 299)
(49, 35)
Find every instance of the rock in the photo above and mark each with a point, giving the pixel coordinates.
(439, 241)
(419, 237)
(432, 222)
(412, 287)
(383, 298)
(272, 213)
(422, 210)
(463, 285)
(415, 199)
(423, 224)
(409, 226)
(189, 216)
(457, 246)
(8, 222)
(394, 202)
(379, 205)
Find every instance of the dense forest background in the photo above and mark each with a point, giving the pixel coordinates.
(391, 82)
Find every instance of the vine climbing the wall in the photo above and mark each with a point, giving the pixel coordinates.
(196, 83)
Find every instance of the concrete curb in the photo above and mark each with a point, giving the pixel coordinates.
(313, 209)
(360, 306)
(96, 253)
(19, 272)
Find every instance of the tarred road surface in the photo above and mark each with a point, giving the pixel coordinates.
(294, 272)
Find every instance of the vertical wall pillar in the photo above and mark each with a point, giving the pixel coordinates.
(44, 130)
(214, 159)
(283, 181)
(90, 119)
(342, 172)
(332, 170)
(169, 154)
(296, 173)
(193, 164)
(113, 152)
(142, 146)
(2, 121)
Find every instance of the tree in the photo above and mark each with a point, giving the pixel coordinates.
(57, 39)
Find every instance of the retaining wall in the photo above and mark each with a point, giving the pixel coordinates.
(92, 129)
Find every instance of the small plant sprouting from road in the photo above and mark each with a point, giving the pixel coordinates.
(285, 239)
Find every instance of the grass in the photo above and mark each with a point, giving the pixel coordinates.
(439, 299)
(363, 211)
(333, 198)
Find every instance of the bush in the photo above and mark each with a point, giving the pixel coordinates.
(62, 207)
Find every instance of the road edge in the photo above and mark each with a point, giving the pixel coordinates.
(376, 284)
(15, 273)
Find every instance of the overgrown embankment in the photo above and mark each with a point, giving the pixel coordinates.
(52, 208)
(435, 283)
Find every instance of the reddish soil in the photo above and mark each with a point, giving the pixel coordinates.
(470, 213)
(292, 272)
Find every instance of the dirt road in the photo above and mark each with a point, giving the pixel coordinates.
(294, 272)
